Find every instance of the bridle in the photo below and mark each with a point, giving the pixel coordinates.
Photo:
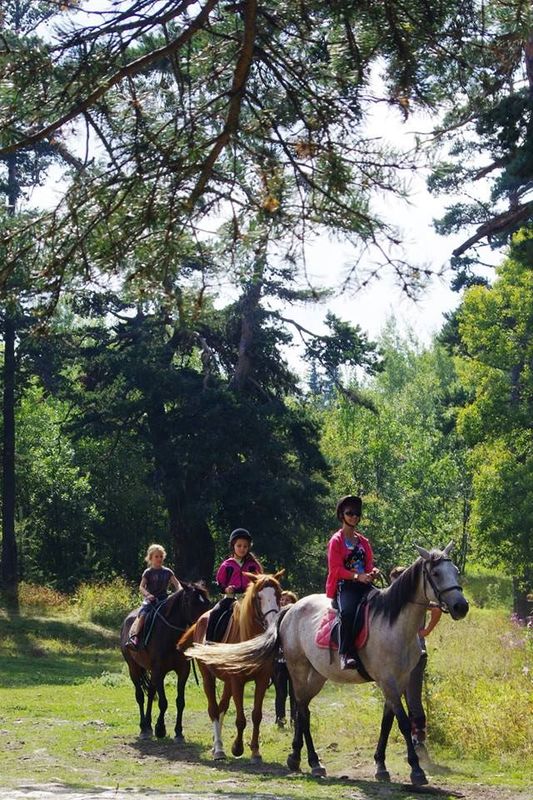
(262, 617)
(438, 592)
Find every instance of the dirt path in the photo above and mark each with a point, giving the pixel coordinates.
(376, 792)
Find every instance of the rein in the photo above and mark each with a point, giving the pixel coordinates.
(157, 613)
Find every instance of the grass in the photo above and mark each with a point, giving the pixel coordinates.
(67, 714)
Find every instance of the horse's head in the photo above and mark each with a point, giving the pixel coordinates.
(440, 581)
(262, 597)
(194, 601)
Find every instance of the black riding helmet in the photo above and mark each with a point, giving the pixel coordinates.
(351, 500)
(239, 533)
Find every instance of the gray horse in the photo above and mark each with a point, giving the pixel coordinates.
(391, 651)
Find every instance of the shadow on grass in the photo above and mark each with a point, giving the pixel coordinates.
(25, 659)
(242, 767)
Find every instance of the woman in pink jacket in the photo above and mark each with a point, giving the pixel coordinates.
(232, 581)
(351, 572)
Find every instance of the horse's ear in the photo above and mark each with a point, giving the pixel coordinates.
(449, 547)
(279, 574)
(423, 552)
(253, 577)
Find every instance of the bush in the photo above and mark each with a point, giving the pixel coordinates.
(34, 598)
(478, 688)
(106, 603)
(488, 589)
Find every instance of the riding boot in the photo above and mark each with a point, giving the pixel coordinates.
(214, 631)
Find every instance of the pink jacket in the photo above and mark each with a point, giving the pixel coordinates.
(230, 573)
(337, 553)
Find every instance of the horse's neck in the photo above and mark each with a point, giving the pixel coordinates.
(412, 615)
(174, 612)
(248, 624)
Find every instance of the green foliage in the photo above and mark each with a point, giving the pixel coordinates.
(494, 116)
(404, 459)
(106, 603)
(487, 588)
(495, 326)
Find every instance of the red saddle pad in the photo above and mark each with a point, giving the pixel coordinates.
(323, 634)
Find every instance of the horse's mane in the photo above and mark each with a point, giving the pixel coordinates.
(389, 602)
(247, 617)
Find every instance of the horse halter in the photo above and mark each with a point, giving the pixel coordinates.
(428, 578)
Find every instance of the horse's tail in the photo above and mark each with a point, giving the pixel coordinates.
(247, 656)
(187, 639)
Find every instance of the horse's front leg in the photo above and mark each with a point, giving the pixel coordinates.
(418, 776)
(182, 673)
(387, 719)
(209, 683)
(237, 691)
(261, 685)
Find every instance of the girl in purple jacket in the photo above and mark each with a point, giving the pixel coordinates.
(232, 581)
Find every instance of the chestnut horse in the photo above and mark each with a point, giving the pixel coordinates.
(391, 651)
(254, 614)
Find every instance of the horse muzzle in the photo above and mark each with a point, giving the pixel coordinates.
(458, 608)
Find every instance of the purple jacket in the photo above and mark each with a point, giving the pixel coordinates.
(230, 573)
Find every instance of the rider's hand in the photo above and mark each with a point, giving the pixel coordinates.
(151, 598)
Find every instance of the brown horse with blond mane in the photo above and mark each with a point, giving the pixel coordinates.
(253, 615)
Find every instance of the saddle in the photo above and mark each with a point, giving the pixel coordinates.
(327, 635)
(225, 628)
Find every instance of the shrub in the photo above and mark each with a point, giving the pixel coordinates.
(483, 718)
(488, 589)
(34, 598)
(106, 603)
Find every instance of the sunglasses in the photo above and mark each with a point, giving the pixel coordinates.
(351, 513)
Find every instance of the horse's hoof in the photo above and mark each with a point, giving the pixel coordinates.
(293, 763)
(256, 760)
(418, 777)
(383, 776)
(237, 750)
(146, 734)
(160, 733)
(318, 771)
(179, 738)
(219, 755)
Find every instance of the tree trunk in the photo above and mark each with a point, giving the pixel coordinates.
(249, 304)
(521, 604)
(193, 546)
(9, 543)
(9, 571)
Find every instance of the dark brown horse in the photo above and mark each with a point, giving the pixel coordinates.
(149, 665)
(253, 615)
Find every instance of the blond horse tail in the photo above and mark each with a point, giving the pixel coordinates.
(247, 656)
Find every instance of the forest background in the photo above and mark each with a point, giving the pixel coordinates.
(202, 146)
